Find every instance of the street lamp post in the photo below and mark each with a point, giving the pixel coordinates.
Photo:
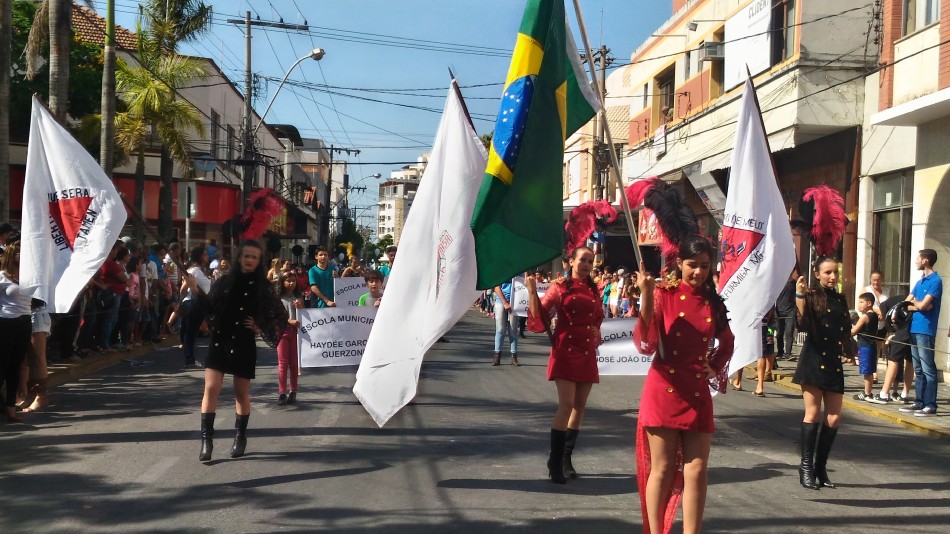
(316, 54)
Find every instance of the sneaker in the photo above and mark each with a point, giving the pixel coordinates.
(884, 398)
(910, 409)
(292, 398)
(861, 396)
(282, 399)
(903, 399)
(873, 399)
(194, 365)
(926, 412)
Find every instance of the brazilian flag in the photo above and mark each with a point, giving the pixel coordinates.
(517, 220)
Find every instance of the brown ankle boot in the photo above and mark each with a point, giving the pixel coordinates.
(496, 360)
(514, 359)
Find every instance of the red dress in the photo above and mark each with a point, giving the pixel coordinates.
(577, 333)
(676, 392)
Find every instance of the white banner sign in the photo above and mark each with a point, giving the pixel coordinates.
(347, 291)
(520, 304)
(617, 354)
(331, 337)
(748, 42)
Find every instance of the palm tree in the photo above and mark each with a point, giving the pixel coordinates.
(149, 94)
(53, 20)
(169, 23)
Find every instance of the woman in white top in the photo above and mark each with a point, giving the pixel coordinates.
(15, 327)
(194, 286)
(877, 289)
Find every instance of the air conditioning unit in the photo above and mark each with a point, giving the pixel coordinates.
(712, 51)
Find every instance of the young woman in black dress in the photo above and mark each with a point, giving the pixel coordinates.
(242, 304)
(824, 314)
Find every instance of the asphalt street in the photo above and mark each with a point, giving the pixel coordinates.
(117, 452)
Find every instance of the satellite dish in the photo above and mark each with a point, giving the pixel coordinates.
(205, 163)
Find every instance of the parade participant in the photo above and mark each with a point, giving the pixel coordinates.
(15, 327)
(353, 270)
(287, 360)
(194, 286)
(391, 256)
(242, 304)
(572, 364)
(374, 282)
(321, 280)
(274, 273)
(823, 314)
(679, 318)
(505, 321)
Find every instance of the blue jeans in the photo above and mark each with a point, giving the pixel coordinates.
(505, 319)
(191, 319)
(925, 370)
(110, 316)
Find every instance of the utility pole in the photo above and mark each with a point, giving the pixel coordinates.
(601, 156)
(325, 227)
(248, 155)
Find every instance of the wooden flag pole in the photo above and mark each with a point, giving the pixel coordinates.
(614, 163)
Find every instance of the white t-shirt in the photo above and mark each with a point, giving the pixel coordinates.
(203, 283)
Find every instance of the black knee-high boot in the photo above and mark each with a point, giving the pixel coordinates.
(825, 440)
(240, 436)
(806, 471)
(207, 436)
(556, 460)
(569, 443)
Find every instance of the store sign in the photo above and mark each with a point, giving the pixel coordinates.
(747, 42)
(659, 141)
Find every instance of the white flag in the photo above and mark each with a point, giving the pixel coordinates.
(432, 283)
(72, 214)
(757, 248)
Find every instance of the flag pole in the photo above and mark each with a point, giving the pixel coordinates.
(614, 163)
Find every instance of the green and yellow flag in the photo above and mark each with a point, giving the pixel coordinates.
(518, 220)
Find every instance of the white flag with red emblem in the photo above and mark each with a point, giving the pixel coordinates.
(72, 214)
(757, 249)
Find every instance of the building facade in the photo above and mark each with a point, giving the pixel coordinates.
(396, 196)
(905, 157)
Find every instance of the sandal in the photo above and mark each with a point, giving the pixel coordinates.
(758, 393)
(735, 387)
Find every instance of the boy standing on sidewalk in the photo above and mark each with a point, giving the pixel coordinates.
(374, 282)
(925, 301)
(866, 330)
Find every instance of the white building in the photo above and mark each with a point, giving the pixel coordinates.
(396, 196)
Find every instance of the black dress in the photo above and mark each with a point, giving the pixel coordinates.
(829, 338)
(234, 298)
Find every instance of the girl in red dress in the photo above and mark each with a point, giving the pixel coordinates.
(573, 361)
(679, 319)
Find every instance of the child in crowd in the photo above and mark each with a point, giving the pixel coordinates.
(374, 282)
(866, 330)
(287, 358)
(321, 278)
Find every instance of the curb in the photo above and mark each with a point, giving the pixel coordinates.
(61, 373)
(911, 422)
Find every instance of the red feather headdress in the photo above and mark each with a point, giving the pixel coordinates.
(582, 221)
(828, 218)
(263, 206)
(677, 221)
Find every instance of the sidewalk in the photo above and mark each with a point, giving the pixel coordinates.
(63, 372)
(938, 426)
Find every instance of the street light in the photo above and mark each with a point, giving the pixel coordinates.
(316, 54)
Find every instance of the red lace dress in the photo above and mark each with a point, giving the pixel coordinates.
(579, 315)
(676, 393)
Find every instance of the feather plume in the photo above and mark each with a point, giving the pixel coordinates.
(829, 221)
(637, 190)
(263, 206)
(583, 220)
(676, 219)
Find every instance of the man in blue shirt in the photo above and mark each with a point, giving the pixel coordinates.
(925, 302)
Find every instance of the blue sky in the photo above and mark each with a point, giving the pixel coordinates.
(403, 48)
